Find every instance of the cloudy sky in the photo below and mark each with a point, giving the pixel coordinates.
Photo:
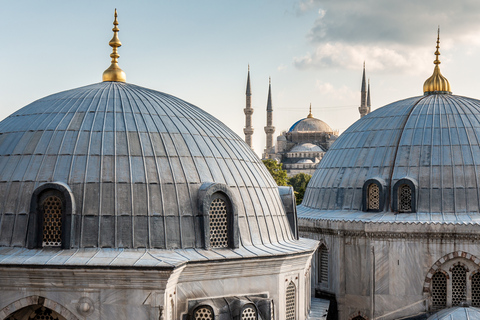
(199, 51)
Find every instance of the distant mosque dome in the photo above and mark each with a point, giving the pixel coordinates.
(310, 124)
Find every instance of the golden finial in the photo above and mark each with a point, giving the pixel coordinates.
(114, 73)
(310, 115)
(437, 83)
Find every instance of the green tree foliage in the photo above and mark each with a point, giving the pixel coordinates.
(299, 183)
(275, 169)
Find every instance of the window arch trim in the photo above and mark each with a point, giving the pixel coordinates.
(206, 194)
(413, 202)
(380, 183)
(35, 225)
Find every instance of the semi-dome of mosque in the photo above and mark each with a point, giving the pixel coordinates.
(306, 147)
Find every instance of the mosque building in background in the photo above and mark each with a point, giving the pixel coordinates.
(395, 203)
(122, 202)
(301, 148)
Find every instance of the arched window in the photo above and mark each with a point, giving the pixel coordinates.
(219, 216)
(219, 223)
(459, 285)
(439, 290)
(203, 313)
(52, 217)
(476, 290)
(322, 269)
(290, 304)
(53, 210)
(249, 313)
(404, 198)
(373, 197)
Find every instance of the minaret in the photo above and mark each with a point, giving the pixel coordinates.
(363, 103)
(368, 98)
(269, 129)
(114, 73)
(248, 130)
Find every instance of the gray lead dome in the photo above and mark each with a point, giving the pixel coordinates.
(133, 160)
(432, 141)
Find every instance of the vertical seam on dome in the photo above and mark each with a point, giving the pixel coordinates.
(402, 128)
(132, 103)
(158, 171)
(87, 158)
(451, 158)
(458, 106)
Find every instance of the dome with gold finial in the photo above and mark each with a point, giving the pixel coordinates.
(437, 83)
(310, 124)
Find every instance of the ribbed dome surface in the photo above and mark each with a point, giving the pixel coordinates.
(134, 159)
(433, 140)
(306, 147)
(457, 313)
(310, 124)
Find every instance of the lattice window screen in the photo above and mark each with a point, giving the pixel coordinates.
(404, 198)
(459, 285)
(203, 313)
(44, 314)
(52, 223)
(373, 197)
(249, 313)
(218, 224)
(439, 290)
(323, 265)
(476, 290)
(290, 302)
(358, 318)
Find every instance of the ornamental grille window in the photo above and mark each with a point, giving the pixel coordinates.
(203, 313)
(405, 198)
(439, 290)
(249, 313)
(476, 290)
(358, 318)
(323, 265)
(290, 302)
(44, 314)
(218, 224)
(459, 285)
(52, 222)
(373, 200)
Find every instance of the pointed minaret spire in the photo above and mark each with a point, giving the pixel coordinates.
(248, 130)
(363, 109)
(368, 97)
(310, 115)
(269, 128)
(114, 73)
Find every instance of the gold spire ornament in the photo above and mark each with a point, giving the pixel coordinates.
(114, 73)
(310, 115)
(437, 83)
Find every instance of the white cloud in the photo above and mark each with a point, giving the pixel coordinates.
(389, 35)
(341, 94)
(378, 58)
